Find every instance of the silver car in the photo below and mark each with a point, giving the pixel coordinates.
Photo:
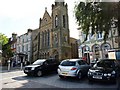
(73, 68)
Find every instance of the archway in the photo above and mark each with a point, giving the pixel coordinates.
(85, 53)
(105, 47)
(96, 51)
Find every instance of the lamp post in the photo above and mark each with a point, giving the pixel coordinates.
(9, 65)
(87, 54)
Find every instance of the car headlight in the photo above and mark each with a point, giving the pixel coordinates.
(105, 74)
(113, 72)
(91, 70)
(109, 74)
(89, 73)
(32, 68)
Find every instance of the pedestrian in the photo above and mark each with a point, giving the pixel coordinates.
(14, 63)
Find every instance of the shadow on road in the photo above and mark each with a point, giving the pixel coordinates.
(32, 82)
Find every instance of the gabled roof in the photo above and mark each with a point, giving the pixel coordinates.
(46, 14)
(46, 19)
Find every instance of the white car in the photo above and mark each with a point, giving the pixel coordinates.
(73, 68)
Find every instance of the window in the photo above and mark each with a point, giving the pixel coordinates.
(23, 40)
(43, 39)
(27, 47)
(22, 48)
(56, 21)
(68, 63)
(48, 38)
(99, 35)
(64, 21)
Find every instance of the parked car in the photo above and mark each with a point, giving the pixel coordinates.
(73, 68)
(105, 69)
(41, 66)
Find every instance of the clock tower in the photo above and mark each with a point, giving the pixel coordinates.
(60, 30)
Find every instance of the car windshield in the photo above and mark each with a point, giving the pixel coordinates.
(106, 63)
(39, 62)
(68, 63)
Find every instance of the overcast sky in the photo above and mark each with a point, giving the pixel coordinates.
(19, 15)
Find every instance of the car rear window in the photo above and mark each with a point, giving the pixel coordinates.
(68, 63)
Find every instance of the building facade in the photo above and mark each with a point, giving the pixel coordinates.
(74, 48)
(24, 47)
(95, 47)
(53, 39)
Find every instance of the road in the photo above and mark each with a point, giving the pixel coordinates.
(18, 79)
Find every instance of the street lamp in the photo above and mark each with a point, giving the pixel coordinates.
(87, 49)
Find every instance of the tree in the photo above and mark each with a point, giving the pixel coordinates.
(3, 39)
(7, 53)
(5, 46)
(99, 16)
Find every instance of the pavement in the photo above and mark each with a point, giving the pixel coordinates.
(5, 69)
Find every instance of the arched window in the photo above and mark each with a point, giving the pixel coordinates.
(48, 38)
(105, 47)
(43, 39)
(96, 51)
(56, 21)
(64, 21)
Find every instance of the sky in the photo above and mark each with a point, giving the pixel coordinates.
(16, 16)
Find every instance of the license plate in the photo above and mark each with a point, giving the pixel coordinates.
(26, 70)
(97, 77)
(64, 73)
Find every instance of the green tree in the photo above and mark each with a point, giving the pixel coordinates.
(5, 46)
(100, 16)
(7, 53)
(3, 39)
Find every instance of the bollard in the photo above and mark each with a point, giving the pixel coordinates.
(8, 65)
(21, 66)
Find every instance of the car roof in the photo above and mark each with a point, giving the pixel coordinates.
(41, 60)
(72, 59)
(108, 59)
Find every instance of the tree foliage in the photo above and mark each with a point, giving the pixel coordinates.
(3, 39)
(99, 16)
(7, 53)
(6, 48)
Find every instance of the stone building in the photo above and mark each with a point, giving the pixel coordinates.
(74, 47)
(53, 39)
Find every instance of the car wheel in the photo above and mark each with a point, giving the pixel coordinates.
(90, 80)
(28, 75)
(79, 75)
(114, 81)
(39, 73)
(61, 76)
